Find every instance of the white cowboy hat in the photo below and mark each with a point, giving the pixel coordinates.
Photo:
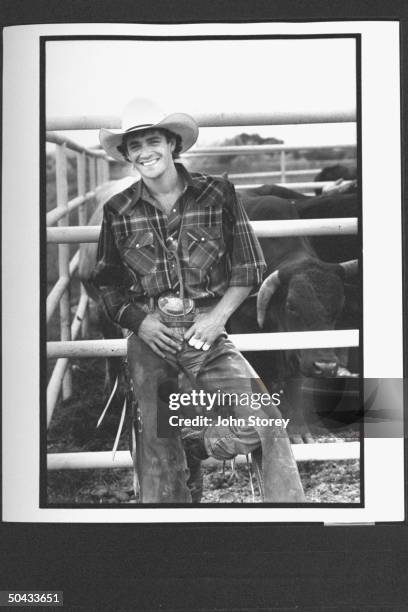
(141, 114)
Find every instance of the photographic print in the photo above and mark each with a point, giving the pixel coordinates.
(206, 244)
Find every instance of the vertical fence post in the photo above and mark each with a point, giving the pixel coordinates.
(82, 220)
(106, 172)
(99, 177)
(81, 186)
(283, 166)
(92, 172)
(101, 170)
(92, 177)
(63, 260)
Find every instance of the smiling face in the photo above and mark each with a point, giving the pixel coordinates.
(150, 153)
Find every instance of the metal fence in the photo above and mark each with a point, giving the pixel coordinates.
(98, 172)
(63, 234)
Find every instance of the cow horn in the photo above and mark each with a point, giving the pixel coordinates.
(350, 268)
(268, 288)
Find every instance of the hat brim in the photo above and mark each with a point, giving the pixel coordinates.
(180, 124)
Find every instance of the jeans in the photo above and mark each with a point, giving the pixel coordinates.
(220, 370)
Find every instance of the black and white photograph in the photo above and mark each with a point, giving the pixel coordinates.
(207, 306)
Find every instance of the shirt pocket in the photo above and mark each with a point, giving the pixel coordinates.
(204, 246)
(139, 251)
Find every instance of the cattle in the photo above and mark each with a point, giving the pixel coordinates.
(332, 206)
(333, 248)
(338, 173)
(274, 190)
(337, 201)
(329, 205)
(345, 182)
(300, 292)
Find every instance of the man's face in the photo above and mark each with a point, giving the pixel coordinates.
(150, 153)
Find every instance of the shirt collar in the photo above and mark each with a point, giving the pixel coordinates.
(196, 183)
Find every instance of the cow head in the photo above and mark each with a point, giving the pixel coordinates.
(306, 296)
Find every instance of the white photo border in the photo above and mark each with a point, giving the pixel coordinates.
(384, 496)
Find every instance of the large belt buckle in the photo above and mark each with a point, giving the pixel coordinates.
(173, 306)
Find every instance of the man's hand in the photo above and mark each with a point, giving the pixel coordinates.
(205, 330)
(159, 337)
(209, 325)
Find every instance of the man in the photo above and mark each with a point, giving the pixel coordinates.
(176, 257)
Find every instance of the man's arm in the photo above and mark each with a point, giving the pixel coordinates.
(112, 280)
(247, 260)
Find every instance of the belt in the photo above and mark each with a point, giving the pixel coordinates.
(152, 302)
(170, 307)
(206, 301)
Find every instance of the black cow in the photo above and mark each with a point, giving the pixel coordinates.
(333, 248)
(274, 190)
(300, 293)
(337, 172)
(326, 206)
(345, 182)
(332, 206)
(337, 248)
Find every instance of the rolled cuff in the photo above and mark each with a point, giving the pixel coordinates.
(246, 275)
(131, 317)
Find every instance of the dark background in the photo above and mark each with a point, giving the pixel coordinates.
(211, 567)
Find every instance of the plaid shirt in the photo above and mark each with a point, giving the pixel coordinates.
(217, 247)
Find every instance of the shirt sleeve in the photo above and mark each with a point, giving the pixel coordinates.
(247, 261)
(112, 280)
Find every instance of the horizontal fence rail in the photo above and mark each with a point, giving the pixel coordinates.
(60, 287)
(304, 186)
(219, 119)
(256, 149)
(55, 215)
(274, 174)
(306, 227)
(323, 451)
(59, 139)
(244, 342)
(290, 227)
(61, 366)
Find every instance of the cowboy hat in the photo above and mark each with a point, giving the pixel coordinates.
(142, 114)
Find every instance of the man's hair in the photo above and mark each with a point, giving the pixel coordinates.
(166, 133)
